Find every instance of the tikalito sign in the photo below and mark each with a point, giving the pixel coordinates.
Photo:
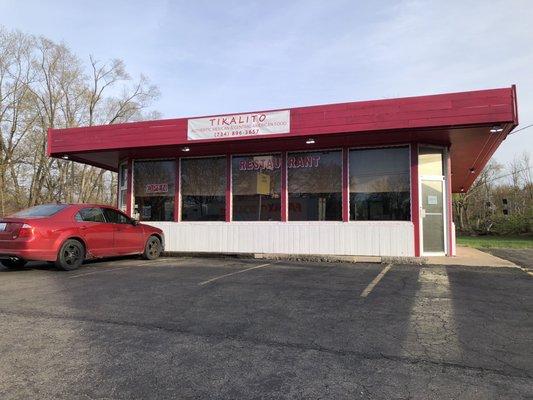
(238, 125)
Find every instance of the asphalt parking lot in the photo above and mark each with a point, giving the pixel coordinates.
(233, 328)
(522, 257)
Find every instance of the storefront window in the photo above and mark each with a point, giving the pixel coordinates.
(154, 190)
(380, 185)
(315, 186)
(203, 189)
(256, 187)
(122, 186)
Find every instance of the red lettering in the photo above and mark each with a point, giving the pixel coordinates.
(290, 162)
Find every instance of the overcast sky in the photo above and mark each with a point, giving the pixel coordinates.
(215, 57)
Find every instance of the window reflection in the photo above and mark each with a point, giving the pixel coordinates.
(256, 189)
(315, 186)
(380, 184)
(154, 189)
(203, 189)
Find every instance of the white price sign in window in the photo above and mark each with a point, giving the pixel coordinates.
(432, 200)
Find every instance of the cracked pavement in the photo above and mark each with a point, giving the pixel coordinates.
(122, 329)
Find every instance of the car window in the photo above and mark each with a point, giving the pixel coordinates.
(115, 217)
(90, 215)
(45, 210)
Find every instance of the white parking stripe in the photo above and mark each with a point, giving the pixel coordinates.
(376, 280)
(99, 271)
(233, 273)
(157, 262)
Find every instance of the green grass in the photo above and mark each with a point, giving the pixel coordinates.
(496, 242)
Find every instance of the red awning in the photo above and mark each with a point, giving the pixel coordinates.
(472, 123)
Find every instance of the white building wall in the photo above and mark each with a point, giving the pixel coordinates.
(374, 238)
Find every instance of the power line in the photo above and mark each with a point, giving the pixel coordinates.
(500, 177)
(521, 129)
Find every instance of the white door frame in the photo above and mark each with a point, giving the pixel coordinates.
(444, 215)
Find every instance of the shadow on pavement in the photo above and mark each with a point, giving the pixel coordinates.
(292, 330)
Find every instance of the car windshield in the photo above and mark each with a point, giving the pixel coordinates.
(45, 210)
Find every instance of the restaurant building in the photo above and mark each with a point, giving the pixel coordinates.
(358, 178)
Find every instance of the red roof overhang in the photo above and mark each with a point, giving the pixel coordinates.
(461, 121)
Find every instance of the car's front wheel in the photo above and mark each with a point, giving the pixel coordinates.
(13, 264)
(71, 255)
(153, 248)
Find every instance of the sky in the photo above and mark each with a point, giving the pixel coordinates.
(216, 57)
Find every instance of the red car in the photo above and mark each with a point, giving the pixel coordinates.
(68, 234)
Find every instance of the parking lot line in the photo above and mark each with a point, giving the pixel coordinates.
(232, 273)
(148, 263)
(376, 280)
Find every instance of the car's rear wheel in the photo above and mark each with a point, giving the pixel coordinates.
(153, 248)
(14, 264)
(71, 255)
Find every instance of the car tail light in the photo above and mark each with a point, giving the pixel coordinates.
(25, 231)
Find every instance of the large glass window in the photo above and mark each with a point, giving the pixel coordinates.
(203, 189)
(122, 186)
(380, 184)
(154, 188)
(256, 187)
(315, 186)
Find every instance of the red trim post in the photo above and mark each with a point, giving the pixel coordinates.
(117, 203)
(450, 204)
(415, 206)
(228, 188)
(345, 186)
(177, 191)
(284, 192)
(129, 192)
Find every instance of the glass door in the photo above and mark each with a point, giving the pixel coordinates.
(432, 173)
(432, 214)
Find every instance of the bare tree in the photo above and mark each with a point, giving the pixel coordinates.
(44, 85)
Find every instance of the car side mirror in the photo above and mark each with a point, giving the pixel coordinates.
(134, 222)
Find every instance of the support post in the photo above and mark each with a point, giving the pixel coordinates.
(345, 186)
(129, 192)
(449, 198)
(415, 206)
(177, 192)
(228, 188)
(284, 190)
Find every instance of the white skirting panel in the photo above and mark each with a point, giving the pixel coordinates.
(373, 238)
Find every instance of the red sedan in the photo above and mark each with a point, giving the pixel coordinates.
(68, 234)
